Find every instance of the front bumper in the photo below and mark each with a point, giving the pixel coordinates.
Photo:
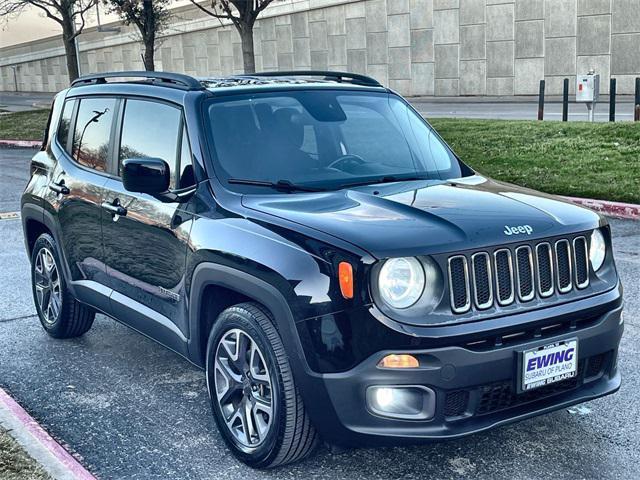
(475, 387)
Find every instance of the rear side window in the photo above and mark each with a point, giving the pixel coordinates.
(151, 130)
(92, 132)
(65, 125)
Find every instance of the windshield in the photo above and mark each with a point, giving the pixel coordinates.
(324, 139)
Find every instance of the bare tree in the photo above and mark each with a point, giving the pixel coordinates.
(149, 16)
(65, 13)
(243, 14)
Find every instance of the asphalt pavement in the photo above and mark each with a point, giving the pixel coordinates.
(128, 408)
(23, 101)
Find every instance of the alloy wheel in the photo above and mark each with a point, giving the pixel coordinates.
(243, 388)
(46, 280)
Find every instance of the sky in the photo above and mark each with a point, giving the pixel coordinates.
(32, 24)
(28, 26)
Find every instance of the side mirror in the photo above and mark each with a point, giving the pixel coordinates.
(145, 175)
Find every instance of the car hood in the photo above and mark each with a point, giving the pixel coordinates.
(428, 217)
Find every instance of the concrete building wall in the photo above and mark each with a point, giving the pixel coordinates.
(418, 47)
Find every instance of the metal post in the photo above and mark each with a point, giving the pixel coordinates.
(637, 103)
(612, 100)
(541, 101)
(565, 100)
(15, 75)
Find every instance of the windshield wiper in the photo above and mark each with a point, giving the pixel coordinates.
(283, 185)
(386, 179)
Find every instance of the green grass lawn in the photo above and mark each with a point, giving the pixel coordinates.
(23, 125)
(592, 160)
(15, 464)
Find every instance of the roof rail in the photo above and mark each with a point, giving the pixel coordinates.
(354, 78)
(164, 78)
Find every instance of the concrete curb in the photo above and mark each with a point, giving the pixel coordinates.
(629, 211)
(39, 445)
(21, 143)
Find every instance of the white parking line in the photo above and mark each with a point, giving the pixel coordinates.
(9, 215)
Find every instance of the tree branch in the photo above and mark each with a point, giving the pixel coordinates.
(81, 13)
(47, 12)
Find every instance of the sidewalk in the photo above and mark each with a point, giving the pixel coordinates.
(24, 101)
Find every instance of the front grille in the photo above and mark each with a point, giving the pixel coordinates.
(581, 261)
(596, 364)
(544, 259)
(459, 284)
(524, 273)
(500, 396)
(482, 280)
(504, 276)
(563, 258)
(456, 403)
(497, 396)
(520, 274)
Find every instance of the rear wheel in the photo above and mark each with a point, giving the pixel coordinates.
(61, 315)
(253, 395)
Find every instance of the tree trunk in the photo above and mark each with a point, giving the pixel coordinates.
(148, 31)
(149, 52)
(248, 58)
(70, 48)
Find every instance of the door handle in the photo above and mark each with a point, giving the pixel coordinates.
(59, 188)
(115, 208)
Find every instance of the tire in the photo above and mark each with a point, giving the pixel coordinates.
(62, 316)
(289, 436)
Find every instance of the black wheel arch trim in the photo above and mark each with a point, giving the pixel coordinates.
(310, 384)
(207, 274)
(37, 213)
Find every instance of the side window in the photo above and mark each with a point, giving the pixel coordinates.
(65, 125)
(92, 132)
(186, 177)
(150, 129)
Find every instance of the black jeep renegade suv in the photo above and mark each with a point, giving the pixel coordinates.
(313, 244)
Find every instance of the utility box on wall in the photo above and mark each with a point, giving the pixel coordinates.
(588, 87)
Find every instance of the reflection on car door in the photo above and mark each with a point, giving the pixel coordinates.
(145, 249)
(83, 150)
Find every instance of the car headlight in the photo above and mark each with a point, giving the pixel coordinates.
(401, 282)
(597, 250)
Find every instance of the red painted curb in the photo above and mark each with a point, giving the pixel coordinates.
(21, 143)
(74, 467)
(615, 209)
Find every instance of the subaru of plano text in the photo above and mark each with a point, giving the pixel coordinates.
(312, 243)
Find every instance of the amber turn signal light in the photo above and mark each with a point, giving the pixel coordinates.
(345, 273)
(399, 361)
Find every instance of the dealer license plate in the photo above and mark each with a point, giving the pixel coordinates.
(549, 364)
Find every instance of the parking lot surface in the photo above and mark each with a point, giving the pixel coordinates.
(128, 408)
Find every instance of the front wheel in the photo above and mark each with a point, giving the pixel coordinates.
(253, 394)
(61, 315)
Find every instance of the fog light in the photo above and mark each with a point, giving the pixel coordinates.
(399, 361)
(410, 402)
(384, 397)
